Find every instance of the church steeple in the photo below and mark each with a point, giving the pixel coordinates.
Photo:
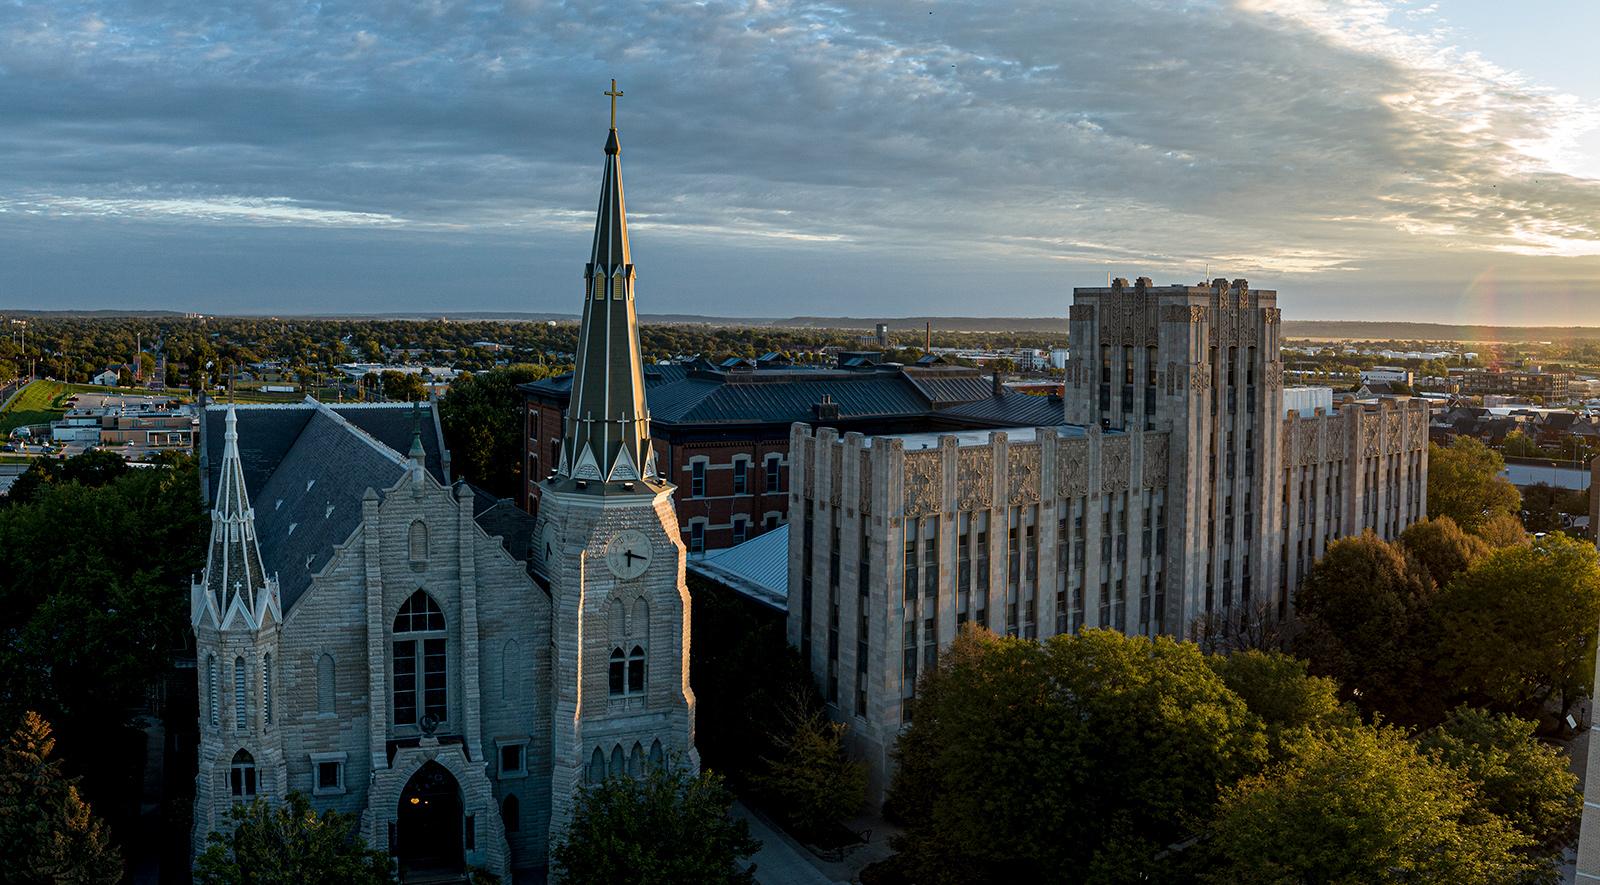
(235, 590)
(607, 438)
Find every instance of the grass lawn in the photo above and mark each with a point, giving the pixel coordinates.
(37, 404)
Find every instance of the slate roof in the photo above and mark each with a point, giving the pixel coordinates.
(1012, 409)
(306, 467)
(758, 568)
(702, 394)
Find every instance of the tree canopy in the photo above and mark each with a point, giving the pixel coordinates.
(1362, 805)
(1081, 757)
(1518, 627)
(482, 417)
(47, 831)
(288, 843)
(1464, 483)
(666, 828)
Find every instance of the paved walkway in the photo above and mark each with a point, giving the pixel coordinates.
(780, 861)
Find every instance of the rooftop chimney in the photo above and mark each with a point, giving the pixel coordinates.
(999, 383)
(827, 410)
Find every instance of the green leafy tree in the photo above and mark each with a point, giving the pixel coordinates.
(404, 386)
(288, 843)
(1361, 805)
(811, 780)
(1518, 445)
(1439, 548)
(482, 417)
(1083, 758)
(47, 831)
(1362, 609)
(1464, 483)
(1503, 530)
(1519, 778)
(666, 828)
(1517, 629)
(1277, 688)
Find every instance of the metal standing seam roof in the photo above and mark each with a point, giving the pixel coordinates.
(758, 568)
(1012, 409)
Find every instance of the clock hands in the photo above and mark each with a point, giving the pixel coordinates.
(630, 556)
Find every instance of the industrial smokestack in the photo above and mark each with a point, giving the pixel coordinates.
(928, 340)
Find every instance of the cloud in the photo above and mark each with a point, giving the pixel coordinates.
(1299, 140)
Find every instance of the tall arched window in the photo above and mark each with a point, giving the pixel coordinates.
(636, 760)
(511, 814)
(418, 541)
(618, 673)
(212, 696)
(266, 687)
(617, 762)
(658, 757)
(242, 776)
(238, 694)
(597, 767)
(325, 684)
(419, 661)
(636, 670)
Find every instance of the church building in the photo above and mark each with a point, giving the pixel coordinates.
(400, 646)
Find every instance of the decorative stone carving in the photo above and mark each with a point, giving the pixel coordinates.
(1369, 438)
(1114, 463)
(1419, 429)
(1155, 461)
(974, 478)
(1022, 474)
(1391, 432)
(1127, 319)
(1084, 312)
(1072, 468)
(865, 466)
(924, 477)
(1199, 379)
(835, 475)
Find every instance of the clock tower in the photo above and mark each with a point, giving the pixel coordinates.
(608, 546)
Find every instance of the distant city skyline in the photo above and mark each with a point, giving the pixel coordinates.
(1368, 159)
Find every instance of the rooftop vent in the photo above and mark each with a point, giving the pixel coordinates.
(827, 410)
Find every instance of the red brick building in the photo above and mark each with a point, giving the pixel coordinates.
(721, 433)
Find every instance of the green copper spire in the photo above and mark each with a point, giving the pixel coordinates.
(607, 437)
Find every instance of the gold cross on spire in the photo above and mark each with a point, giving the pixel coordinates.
(615, 94)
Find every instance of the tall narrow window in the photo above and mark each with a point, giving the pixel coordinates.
(325, 684)
(239, 721)
(774, 479)
(658, 758)
(211, 689)
(419, 661)
(242, 776)
(697, 537)
(636, 670)
(266, 688)
(597, 767)
(697, 479)
(511, 814)
(741, 529)
(741, 470)
(618, 672)
(418, 541)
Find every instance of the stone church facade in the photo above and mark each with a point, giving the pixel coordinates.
(402, 647)
(1177, 493)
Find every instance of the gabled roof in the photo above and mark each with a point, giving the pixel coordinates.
(758, 568)
(306, 467)
(1012, 410)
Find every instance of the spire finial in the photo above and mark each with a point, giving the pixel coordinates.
(417, 453)
(615, 94)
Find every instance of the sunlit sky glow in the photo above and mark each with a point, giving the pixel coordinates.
(1368, 158)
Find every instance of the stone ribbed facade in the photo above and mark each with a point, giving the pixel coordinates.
(1175, 491)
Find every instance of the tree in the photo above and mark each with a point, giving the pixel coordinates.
(1502, 530)
(1517, 445)
(49, 832)
(1518, 628)
(1439, 548)
(404, 386)
(1464, 483)
(282, 844)
(1519, 777)
(812, 782)
(1360, 805)
(1362, 609)
(1277, 688)
(482, 417)
(667, 827)
(1081, 758)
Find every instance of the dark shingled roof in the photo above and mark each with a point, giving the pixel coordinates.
(1012, 410)
(307, 466)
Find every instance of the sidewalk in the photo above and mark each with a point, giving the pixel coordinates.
(780, 861)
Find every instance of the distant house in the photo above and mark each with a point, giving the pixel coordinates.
(109, 377)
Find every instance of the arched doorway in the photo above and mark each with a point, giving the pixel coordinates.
(428, 828)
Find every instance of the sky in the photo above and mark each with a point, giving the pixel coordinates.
(1369, 159)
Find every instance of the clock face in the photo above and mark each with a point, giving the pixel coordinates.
(628, 554)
